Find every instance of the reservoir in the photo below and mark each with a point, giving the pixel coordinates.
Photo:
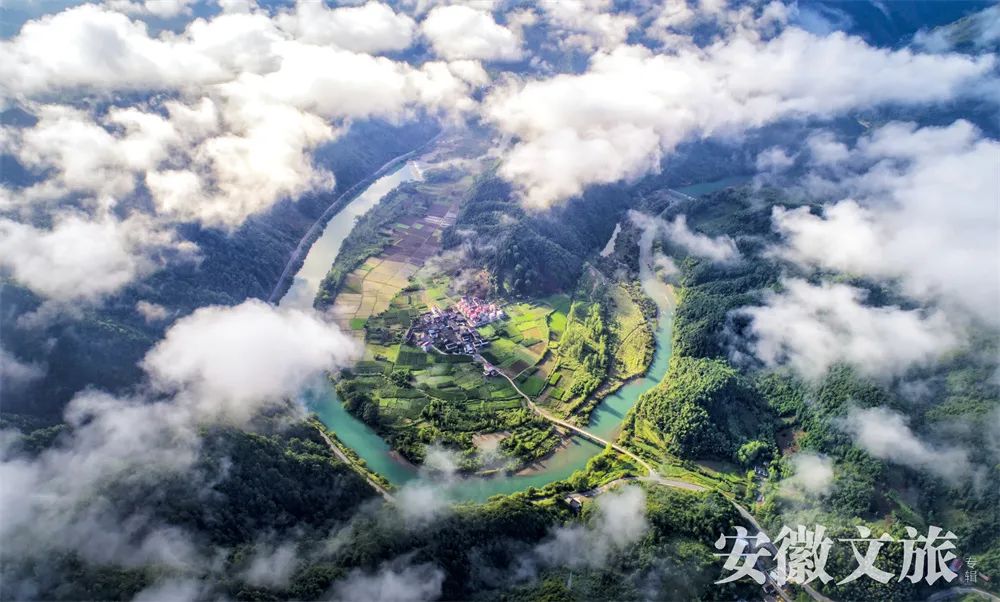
(606, 418)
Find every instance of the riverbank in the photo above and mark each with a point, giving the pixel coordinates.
(570, 455)
(298, 256)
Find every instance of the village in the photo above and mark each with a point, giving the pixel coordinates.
(453, 330)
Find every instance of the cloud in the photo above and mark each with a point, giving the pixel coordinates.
(673, 22)
(222, 366)
(55, 501)
(587, 24)
(813, 327)
(813, 475)
(719, 249)
(909, 194)
(161, 9)
(241, 356)
(172, 590)
(979, 30)
(15, 374)
(217, 122)
(825, 149)
(392, 583)
(425, 498)
(370, 28)
(461, 32)
(886, 435)
(616, 120)
(620, 521)
(665, 266)
(80, 259)
(94, 48)
(152, 312)
(774, 159)
(272, 565)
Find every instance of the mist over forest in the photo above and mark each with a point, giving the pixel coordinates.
(496, 300)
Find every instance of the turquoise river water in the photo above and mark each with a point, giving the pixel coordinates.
(605, 421)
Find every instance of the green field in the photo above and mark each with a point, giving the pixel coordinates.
(415, 398)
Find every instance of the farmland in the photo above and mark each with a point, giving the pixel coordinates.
(416, 398)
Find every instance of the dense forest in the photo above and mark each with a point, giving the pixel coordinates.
(534, 253)
(718, 404)
(279, 483)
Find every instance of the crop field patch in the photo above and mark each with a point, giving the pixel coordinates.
(517, 366)
(411, 357)
(533, 385)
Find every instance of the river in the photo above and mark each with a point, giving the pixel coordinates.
(322, 399)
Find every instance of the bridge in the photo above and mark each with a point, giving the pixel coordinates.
(652, 475)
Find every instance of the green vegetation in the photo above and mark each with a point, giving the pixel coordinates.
(705, 408)
(535, 253)
(371, 233)
(599, 339)
(710, 419)
(415, 398)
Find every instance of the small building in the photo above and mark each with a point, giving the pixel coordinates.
(575, 502)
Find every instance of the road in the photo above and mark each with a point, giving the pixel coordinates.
(652, 475)
(347, 460)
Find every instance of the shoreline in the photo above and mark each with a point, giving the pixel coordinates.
(297, 258)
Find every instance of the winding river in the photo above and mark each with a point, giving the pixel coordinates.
(605, 420)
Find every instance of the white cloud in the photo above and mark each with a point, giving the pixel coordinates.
(162, 9)
(370, 28)
(54, 501)
(812, 327)
(813, 474)
(620, 522)
(774, 159)
(152, 312)
(241, 356)
(423, 499)
(665, 267)
(15, 373)
(272, 565)
(79, 259)
(825, 149)
(720, 249)
(172, 590)
(885, 434)
(920, 207)
(616, 120)
(243, 106)
(979, 30)
(392, 583)
(587, 24)
(673, 21)
(225, 365)
(460, 32)
(93, 48)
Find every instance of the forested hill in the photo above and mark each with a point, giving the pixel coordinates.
(101, 346)
(718, 407)
(531, 252)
